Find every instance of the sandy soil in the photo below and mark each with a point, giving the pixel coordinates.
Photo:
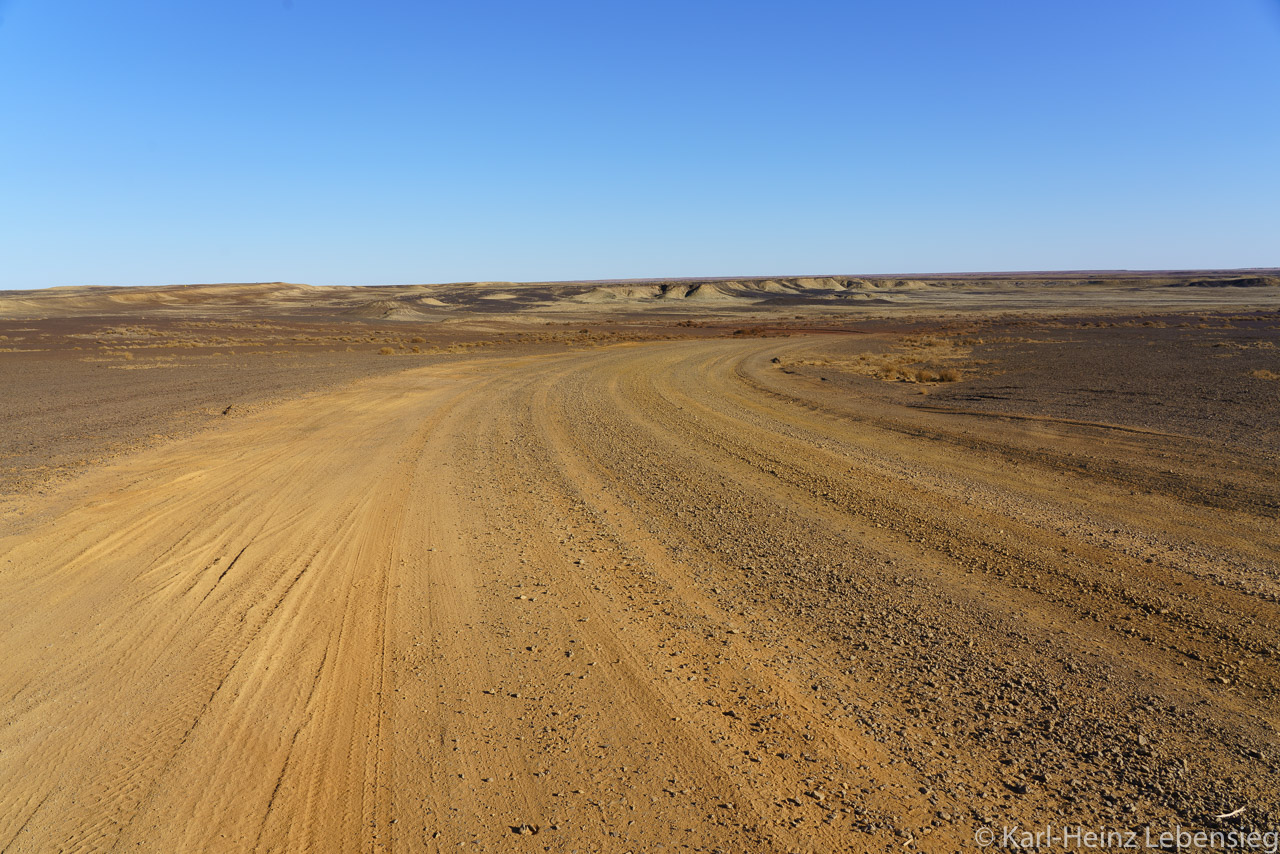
(692, 585)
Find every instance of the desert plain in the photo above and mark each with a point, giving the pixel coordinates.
(799, 564)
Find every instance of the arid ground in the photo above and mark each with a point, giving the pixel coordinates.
(808, 564)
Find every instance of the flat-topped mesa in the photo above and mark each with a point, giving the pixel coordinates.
(414, 301)
(100, 299)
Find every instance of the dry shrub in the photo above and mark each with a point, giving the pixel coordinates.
(386, 351)
(1264, 374)
(417, 339)
(917, 360)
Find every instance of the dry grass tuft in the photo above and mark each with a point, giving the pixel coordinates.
(387, 351)
(919, 359)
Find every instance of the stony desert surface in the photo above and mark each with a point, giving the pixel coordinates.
(798, 564)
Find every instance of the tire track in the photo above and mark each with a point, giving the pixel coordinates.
(626, 597)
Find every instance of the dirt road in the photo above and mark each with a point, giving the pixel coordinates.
(645, 597)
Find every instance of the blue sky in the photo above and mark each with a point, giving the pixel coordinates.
(153, 141)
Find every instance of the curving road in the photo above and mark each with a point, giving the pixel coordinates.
(633, 597)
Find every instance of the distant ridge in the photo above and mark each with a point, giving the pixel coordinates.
(433, 303)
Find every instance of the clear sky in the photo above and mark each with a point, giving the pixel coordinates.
(390, 141)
